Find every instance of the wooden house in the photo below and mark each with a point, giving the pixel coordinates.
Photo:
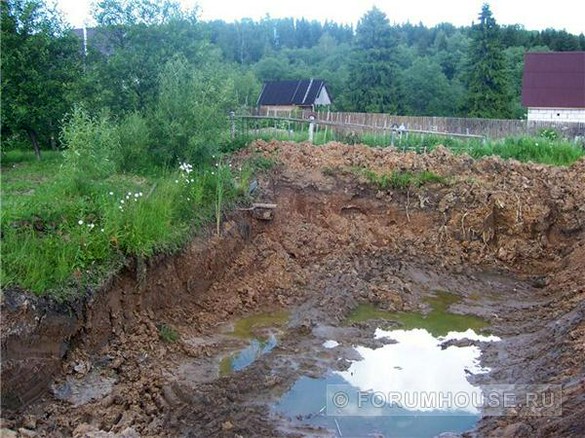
(287, 96)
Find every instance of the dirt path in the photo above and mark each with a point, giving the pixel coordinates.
(508, 238)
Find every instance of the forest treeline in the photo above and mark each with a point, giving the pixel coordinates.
(156, 64)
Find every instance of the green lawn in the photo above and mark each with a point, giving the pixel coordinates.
(59, 237)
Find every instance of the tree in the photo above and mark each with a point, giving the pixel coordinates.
(488, 92)
(41, 63)
(271, 69)
(373, 81)
(135, 40)
(190, 113)
(427, 91)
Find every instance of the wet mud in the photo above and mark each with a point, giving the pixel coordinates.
(143, 356)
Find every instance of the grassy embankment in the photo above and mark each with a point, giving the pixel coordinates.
(75, 217)
(58, 237)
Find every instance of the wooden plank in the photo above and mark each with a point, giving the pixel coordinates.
(259, 205)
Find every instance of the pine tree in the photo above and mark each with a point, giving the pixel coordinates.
(373, 82)
(488, 94)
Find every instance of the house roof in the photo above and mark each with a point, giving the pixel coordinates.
(554, 80)
(299, 93)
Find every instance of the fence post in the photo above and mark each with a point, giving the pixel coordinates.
(311, 128)
(233, 124)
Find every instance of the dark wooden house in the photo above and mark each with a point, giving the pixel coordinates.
(290, 95)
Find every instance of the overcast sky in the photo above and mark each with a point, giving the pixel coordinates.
(533, 15)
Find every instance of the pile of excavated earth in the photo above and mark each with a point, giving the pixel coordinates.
(142, 356)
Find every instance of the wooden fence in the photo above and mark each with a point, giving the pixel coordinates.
(490, 128)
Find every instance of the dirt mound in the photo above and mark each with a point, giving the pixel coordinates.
(488, 211)
(505, 236)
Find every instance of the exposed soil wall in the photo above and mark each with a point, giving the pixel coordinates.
(507, 237)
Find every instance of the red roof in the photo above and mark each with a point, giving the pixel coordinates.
(554, 80)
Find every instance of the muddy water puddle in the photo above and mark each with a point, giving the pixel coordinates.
(439, 320)
(414, 385)
(261, 331)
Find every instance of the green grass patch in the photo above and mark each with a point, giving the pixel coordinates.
(168, 334)
(60, 236)
(401, 180)
(526, 149)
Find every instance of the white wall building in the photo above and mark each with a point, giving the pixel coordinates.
(553, 86)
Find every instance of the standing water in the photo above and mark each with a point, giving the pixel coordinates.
(413, 387)
(258, 330)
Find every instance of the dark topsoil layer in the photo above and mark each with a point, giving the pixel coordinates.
(507, 237)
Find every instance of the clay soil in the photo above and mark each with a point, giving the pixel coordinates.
(507, 237)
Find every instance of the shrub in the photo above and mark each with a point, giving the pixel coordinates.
(190, 115)
(135, 139)
(93, 148)
(549, 134)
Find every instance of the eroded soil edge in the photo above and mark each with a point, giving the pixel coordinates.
(507, 237)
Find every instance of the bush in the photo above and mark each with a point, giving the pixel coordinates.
(190, 116)
(135, 140)
(93, 148)
(549, 134)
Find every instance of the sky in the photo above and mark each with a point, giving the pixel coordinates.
(533, 15)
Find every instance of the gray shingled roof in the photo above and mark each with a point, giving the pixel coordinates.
(299, 93)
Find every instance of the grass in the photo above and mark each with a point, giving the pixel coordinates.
(168, 334)
(60, 236)
(526, 149)
(401, 180)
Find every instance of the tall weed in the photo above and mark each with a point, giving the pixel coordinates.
(92, 148)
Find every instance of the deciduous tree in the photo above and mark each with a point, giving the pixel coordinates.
(41, 63)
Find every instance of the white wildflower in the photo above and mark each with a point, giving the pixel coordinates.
(80, 222)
